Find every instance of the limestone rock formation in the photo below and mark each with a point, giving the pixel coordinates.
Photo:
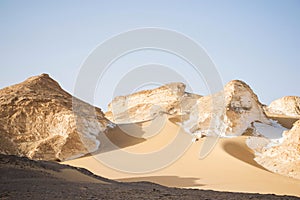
(146, 105)
(227, 113)
(289, 105)
(37, 121)
(283, 157)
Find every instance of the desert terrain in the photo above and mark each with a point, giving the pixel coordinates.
(22, 178)
(229, 167)
(162, 143)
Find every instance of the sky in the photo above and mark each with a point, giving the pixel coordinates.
(254, 41)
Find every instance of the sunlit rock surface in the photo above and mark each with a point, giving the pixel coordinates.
(170, 99)
(283, 156)
(37, 121)
(289, 106)
(227, 113)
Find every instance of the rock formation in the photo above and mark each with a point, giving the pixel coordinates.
(227, 113)
(145, 105)
(283, 157)
(289, 106)
(37, 121)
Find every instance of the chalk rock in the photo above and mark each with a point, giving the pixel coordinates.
(289, 105)
(283, 157)
(229, 112)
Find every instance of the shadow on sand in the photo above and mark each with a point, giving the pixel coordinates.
(117, 138)
(285, 121)
(241, 152)
(170, 181)
(125, 135)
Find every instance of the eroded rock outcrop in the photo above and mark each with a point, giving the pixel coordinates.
(283, 157)
(227, 113)
(37, 121)
(289, 106)
(145, 105)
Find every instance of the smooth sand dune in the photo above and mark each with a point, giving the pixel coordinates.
(229, 167)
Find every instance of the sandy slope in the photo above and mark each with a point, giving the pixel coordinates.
(22, 178)
(229, 167)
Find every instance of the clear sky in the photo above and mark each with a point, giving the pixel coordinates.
(255, 41)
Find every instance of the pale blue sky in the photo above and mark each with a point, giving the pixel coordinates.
(255, 41)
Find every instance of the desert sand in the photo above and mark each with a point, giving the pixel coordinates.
(22, 178)
(229, 167)
(155, 148)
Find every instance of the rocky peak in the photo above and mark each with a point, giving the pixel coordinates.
(37, 121)
(239, 96)
(40, 82)
(229, 112)
(42, 78)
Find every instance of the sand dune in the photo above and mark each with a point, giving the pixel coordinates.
(22, 178)
(229, 167)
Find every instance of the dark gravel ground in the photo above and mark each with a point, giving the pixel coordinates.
(22, 178)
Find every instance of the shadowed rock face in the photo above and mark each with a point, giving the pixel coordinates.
(37, 121)
(283, 158)
(289, 106)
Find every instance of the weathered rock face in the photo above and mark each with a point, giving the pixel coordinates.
(146, 105)
(227, 113)
(283, 158)
(37, 121)
(289, 105)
